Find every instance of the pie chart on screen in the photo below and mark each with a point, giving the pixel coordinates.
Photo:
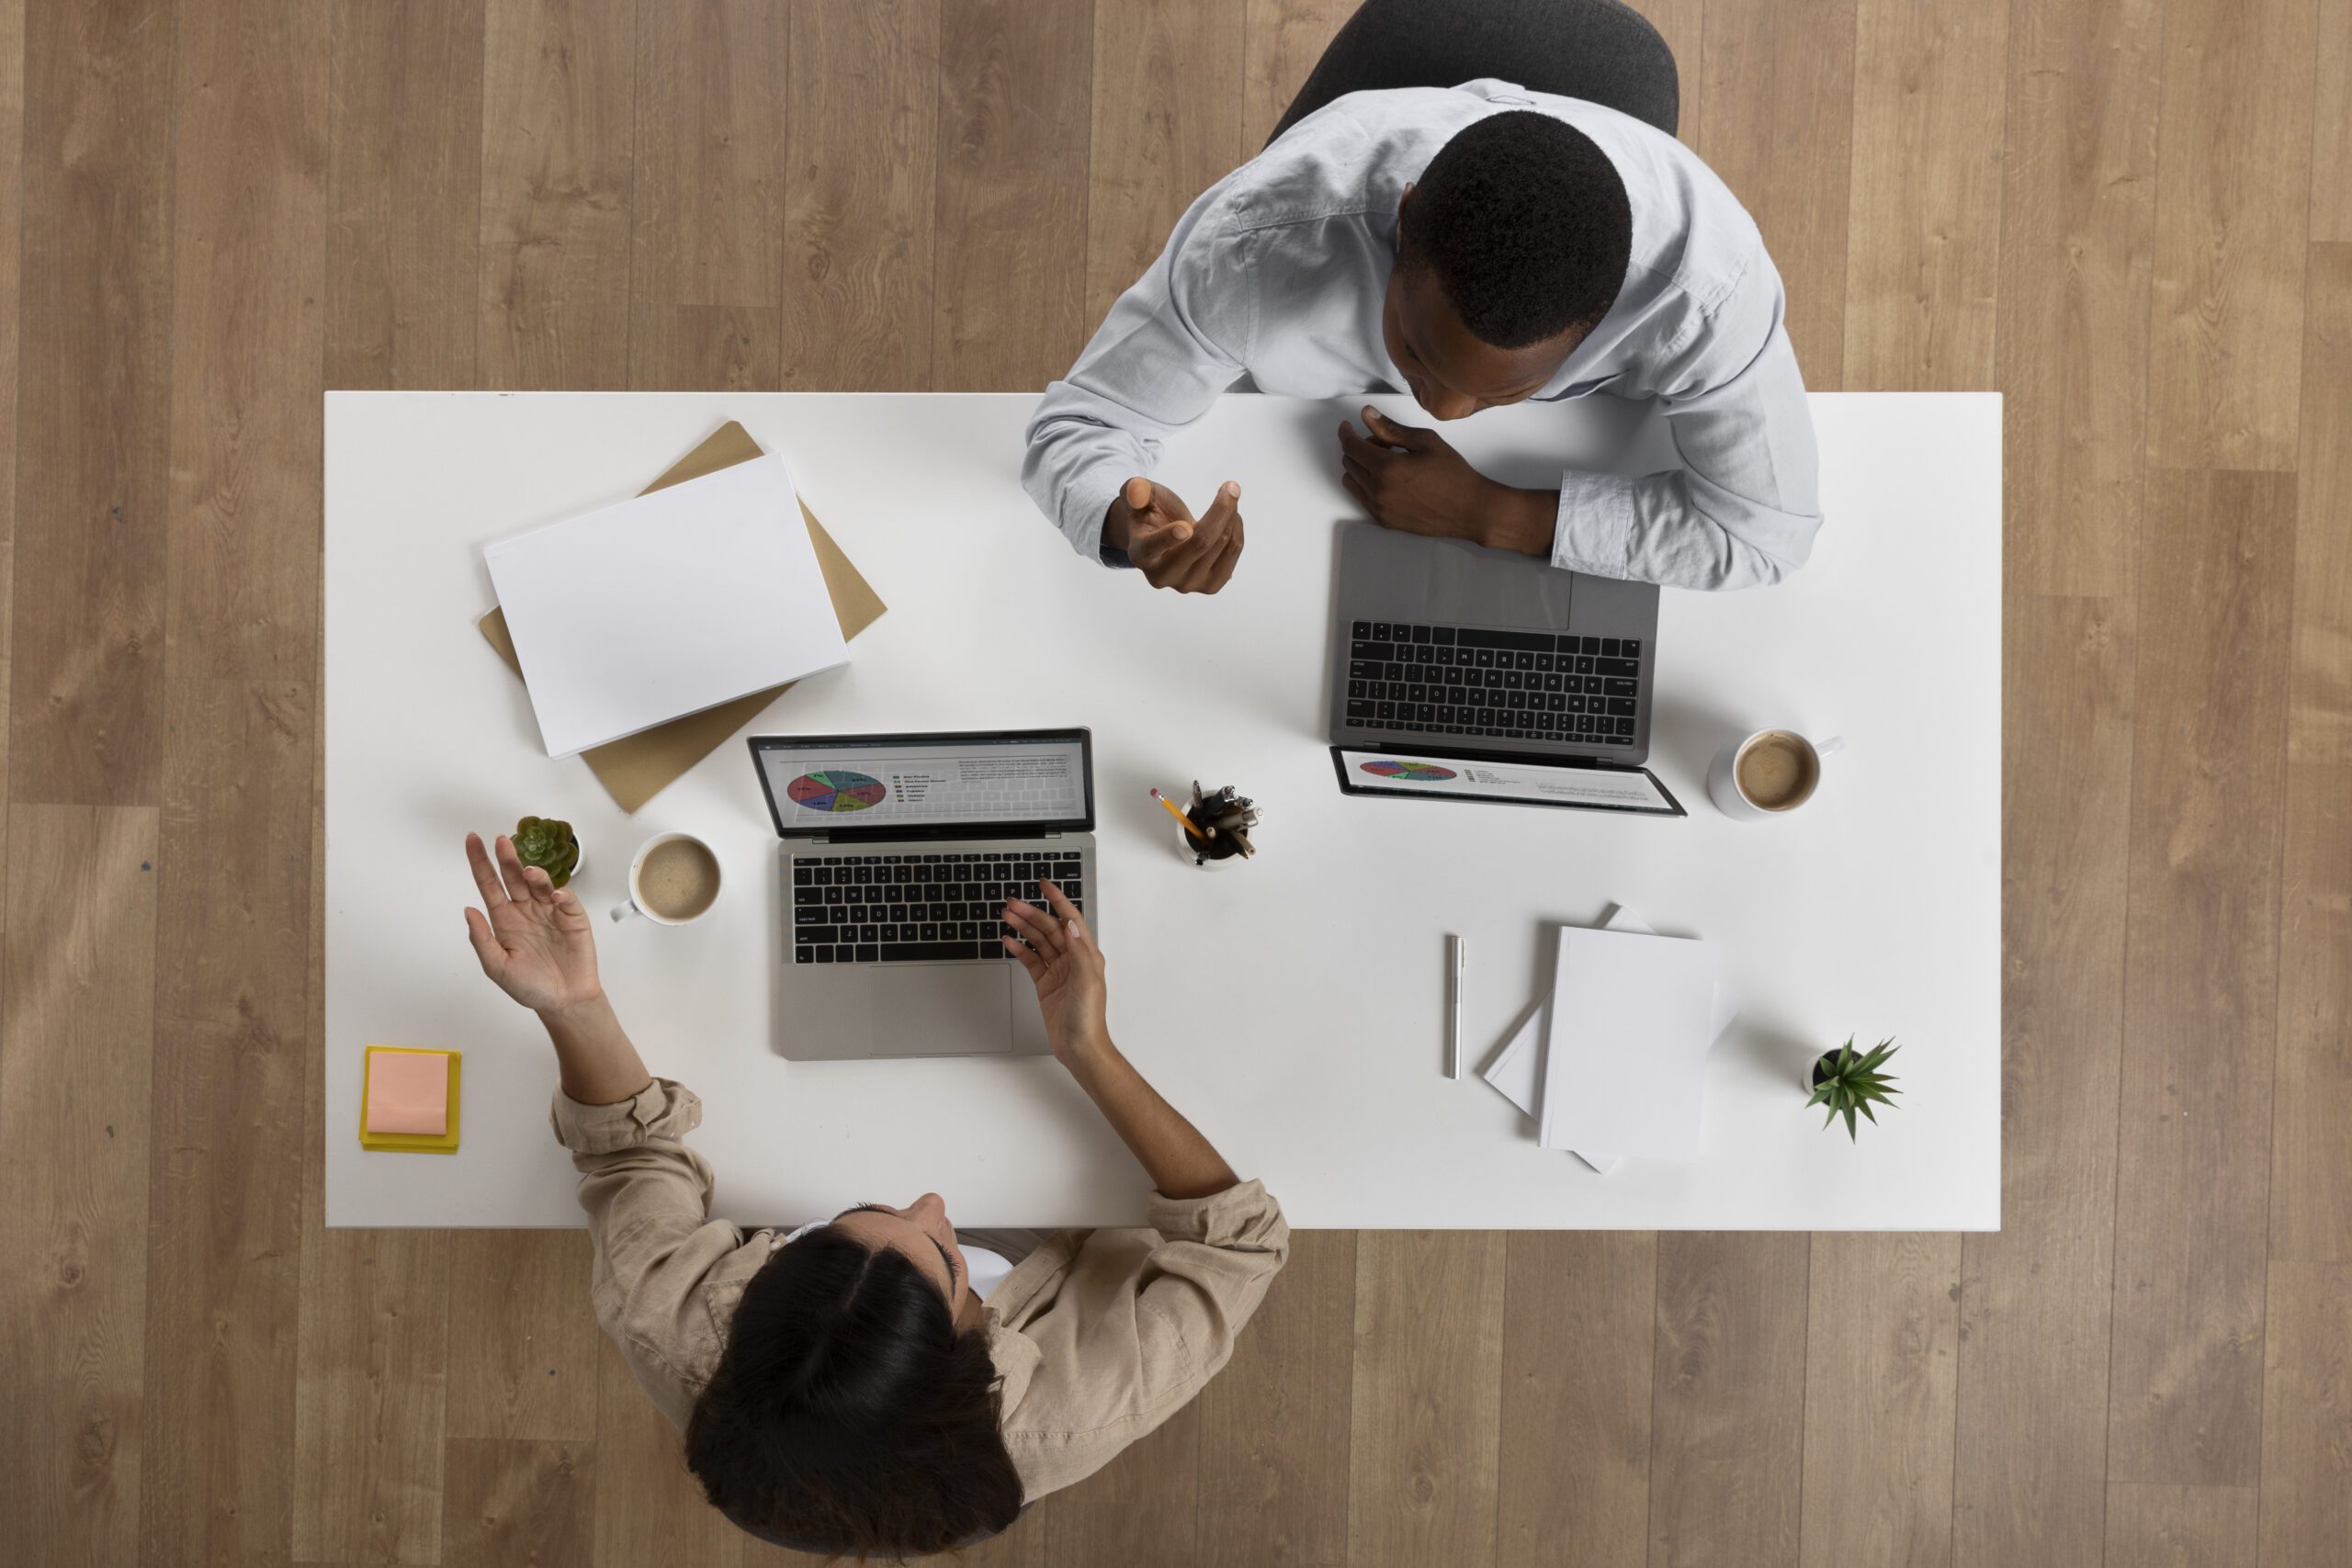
(1410, 773)
(836, 790)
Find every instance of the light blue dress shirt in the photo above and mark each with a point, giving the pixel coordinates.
(1278, 273)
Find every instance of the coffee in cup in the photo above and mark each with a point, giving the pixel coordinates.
(674, 880)
(1767, 773)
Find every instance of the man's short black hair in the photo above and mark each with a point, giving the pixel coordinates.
(1526, 226)
(847, 1415)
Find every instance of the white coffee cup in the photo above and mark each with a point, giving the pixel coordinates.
(1730, 794)
(638, 904)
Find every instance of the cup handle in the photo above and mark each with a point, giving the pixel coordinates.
(622, 911)
(1830, 746)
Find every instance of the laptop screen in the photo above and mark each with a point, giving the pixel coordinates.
(927, 785)
(1515, 781)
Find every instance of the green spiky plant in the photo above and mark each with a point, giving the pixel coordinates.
(1847, 1083)
(549, 844)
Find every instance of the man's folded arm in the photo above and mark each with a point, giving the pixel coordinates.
(1171, 343)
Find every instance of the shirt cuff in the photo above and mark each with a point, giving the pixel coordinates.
(1085, 503)
(1244, 1217)
(1594, 531)
(660, 1110)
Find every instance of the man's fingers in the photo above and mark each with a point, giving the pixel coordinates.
(1351, 444)
(1411, 437)
(1355, 488)
(1138, 494)
(494, 893)
(1224, 510)
(1151, 541)
(1227, 559)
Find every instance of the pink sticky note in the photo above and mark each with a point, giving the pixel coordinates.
(408, 1092)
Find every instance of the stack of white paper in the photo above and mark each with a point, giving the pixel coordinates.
(1627, 1061)
(667, 604)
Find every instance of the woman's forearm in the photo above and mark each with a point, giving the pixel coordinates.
(1180, 1162)
(594, 1059)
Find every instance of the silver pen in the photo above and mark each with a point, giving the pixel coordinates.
(1458, 949)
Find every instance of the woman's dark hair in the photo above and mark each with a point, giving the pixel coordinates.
(1526, 224)
(847, 1415)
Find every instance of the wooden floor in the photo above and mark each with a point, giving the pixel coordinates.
(2132, 217)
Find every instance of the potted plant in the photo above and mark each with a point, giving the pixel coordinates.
(549, 844)
(1846, 1082)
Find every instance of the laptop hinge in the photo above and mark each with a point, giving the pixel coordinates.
(937, 835)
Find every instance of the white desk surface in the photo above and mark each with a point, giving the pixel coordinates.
(1293, 1007)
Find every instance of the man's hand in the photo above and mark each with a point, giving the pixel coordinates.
(1172, 548)
(1409, 479)
(535, 943)
(1068, 970)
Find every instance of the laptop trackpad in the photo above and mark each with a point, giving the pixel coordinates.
(941, 1010)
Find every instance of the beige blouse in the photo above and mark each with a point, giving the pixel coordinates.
(1100, 1336)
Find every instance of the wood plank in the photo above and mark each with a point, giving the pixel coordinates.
(2030, 1463)
(2233, 195)
(1882, 1341)
(700, 348)
(1930, 97)
(859, 195)
(12, 170)
(521, 1336)
(404, 193)
(77, 950)
(706, 213)
(2332, 125)
(557, 117)
(1009, 298)
(369, 1395)
(2311, 1129)
(2181, 1527)
(93, 450)
(1427, 1398)
(650, 1509)
(511, 1504)
(2307, 1415)
(1726, 1419)
(1775, 97)
(2201, 979)
(1273, 1460)
(1282, 39)
(2077, 220)
(1681, 23)
(1168, 93)
(225, 1199)
(1143, 1506)
(1579, 1321)
(248, 274)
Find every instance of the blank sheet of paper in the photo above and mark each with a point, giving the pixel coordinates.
(1630, 1018)
(665, 605)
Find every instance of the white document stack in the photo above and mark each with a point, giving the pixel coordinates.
(1612, 1062)
(675, 602)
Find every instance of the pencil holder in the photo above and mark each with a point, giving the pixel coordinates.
(1223, 823)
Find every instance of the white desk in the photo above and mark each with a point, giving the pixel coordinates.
(1313, 1050)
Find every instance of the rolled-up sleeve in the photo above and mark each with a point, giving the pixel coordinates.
(646, 1194)
(1171, 344)
(1743, 510)
(1143, 1320)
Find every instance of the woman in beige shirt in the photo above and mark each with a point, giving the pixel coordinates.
(844, 1389)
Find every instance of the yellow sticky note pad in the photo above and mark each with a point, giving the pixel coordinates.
(408, 1100)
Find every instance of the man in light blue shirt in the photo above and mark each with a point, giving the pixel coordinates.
(1475, 245)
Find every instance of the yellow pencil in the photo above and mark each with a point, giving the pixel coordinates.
(1189, 826)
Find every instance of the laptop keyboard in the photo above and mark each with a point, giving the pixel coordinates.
(1569, 688)
(916, 908)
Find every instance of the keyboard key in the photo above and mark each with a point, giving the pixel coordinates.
(1360, 711)
(1617, 666)
(1443, 636)
(804, 876)
(867, 952)
(1420, 634)
(1534, 642)
(1484, 657)
(1608, 647)
(805, 956)
(1618, 686)
(1632, 646)
(1622, 706)
(824, 954)
(1588, 644)
(927, 952)
(1625, 727)
(1381, 631)
(1362, 631)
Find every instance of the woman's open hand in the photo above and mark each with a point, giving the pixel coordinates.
(535, 943)
(1068, 968)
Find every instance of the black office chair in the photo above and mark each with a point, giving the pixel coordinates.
(1601, 51)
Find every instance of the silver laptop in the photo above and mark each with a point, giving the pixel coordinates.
(899, 852)
(1467, 673)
